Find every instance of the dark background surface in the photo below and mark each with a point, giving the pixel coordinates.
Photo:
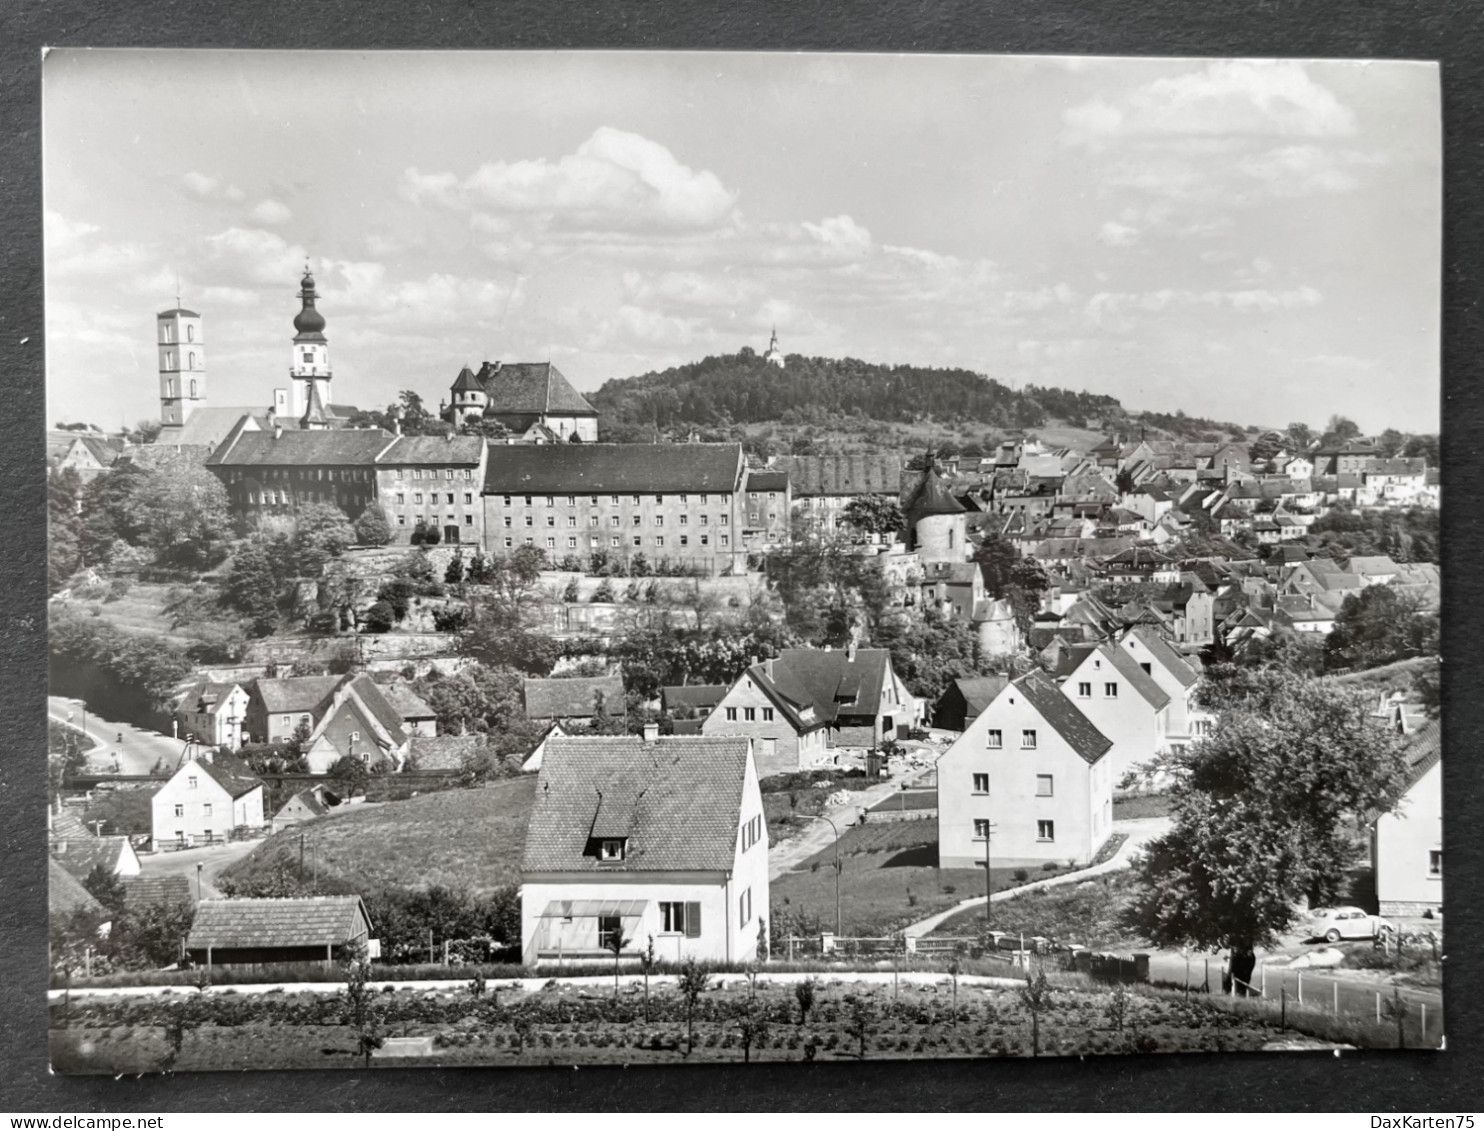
(1452, 32)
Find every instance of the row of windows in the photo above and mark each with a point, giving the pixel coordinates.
(432, 520)
(205, 809)
(613, 519)
(1045, 830)
(167, 332)
(995, 739)
(1110, 691)
(1044, 785)
(170, 384)
(749, 714)
(284, 498)
(615, 541)
(550, 500)
(307, 474)
(432, 473)
(752, 832)
(417, 498)
(169, 362)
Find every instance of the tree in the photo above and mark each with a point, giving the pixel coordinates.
(1380, 625)
(1035, 995)
(64, 527)
(503, 628)
(252, 585)
(752, 1026)
(804, 994)
(351, 772)
(321, 532)
(615, 942)
(1390, 443)
(1338, 430)
(874, 515)
(1301, 436)
(379, 617)
(362, 1013)
(372, 527)
(1262, 816)
(692, 983)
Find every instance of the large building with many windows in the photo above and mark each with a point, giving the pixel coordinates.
(672, 504)
(276, 472)
(428, 483)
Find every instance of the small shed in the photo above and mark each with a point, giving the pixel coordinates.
(305, 929)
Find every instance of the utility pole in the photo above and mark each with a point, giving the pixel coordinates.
(989, 828)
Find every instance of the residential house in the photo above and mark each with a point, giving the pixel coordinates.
(1377, 569)
(1140, 564)
(855, 690)
(319, 929)
(635, 838)
(1123, 701)
(418, 719)
(1353, 456)
(359, 722)
(1178, 677)
(157, 890)
(787, 732)
(692, 701)
(205, 801)
(114, 854)
(680, 504)
(575, 700)
(88, 454)
(964, 700)
(276, 708)
(213, 713)
(1308, 612)
(306, 805)
(1029, 781)
(1188, 603)
(1407, 844)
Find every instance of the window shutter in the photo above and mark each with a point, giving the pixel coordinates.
(692, 920)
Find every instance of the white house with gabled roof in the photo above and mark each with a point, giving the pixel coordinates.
(1185, 720)
(1032, 774)
(1120, 699)
(645, 836)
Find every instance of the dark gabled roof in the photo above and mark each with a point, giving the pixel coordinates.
(1139, 557)
(619, 468)
(574, 697)
(81, 856)
(679, 798)
(66, 896)
(156, 891)
(304, 694)
(322, 920)
(67, 825)
(1424, 751)
(1062, 715)
(348, 447)
(767, 480)
(693, 695)
(405, 702)
(1127, 666)
(530, 386)
(368, 693)
(978, 692)
(835, 684)
(443, 752)
(207, 696)
(1160, 649)
(440, 451)
(843, 474)
(799, 713)
(932, 497)
(231, 773)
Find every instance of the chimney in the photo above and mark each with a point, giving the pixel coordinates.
(651, 733)
(397, 425)
(850, 651)
(768, 666)
(277, 431)
(272, 416)
(208, 754)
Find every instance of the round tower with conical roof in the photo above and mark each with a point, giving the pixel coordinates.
(310, 370)
(938, 521)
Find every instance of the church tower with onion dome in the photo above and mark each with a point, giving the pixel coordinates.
(310, 371)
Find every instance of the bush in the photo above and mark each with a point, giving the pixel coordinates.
(1021, 875)
(379, 617)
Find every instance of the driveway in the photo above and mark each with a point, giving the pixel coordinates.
(212, 858)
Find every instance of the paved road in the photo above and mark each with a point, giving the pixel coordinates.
(138, 752)
(212, 858)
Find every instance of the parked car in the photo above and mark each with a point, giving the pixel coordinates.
(1335, 923)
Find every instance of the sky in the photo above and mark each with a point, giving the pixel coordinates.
(1255, 241)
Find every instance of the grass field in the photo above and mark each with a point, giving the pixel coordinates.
(463, 838)
(1388, 677)
(1133, 806)
(889, 878)
(141, 612)
(1086, 913)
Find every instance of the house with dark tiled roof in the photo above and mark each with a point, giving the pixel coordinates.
(278, 707)
(1407, 844)
(318, 929)
(213, 713)
(206, 801)
(822, 487)
(787, 732)
(1028, 781)
(90, 454)
(275, 471)
(695, 700)
(964, 700)
(360, 723)
(417, 717)
(1118, 697)
(114, 854)
(767, 509)
(306, 805)
(522, 396)
(167, 890)
(574, 699)
(633, 838)
(855, 690)
(667, 503)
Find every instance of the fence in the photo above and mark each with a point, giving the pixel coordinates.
(1287, 992)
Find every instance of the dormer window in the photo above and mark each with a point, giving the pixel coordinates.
(611, 849)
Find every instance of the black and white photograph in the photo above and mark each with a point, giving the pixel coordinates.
(665, 558)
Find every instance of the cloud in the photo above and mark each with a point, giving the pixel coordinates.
(1239, 97)
(1119, 311)
(272, 212)
(254, 255)
(1115, 234)
(614, 181)
(211, 188)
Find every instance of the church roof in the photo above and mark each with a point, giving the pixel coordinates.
(529, 386)
(309, 322)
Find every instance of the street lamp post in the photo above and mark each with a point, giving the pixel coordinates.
(836, 831)
(198, 882)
